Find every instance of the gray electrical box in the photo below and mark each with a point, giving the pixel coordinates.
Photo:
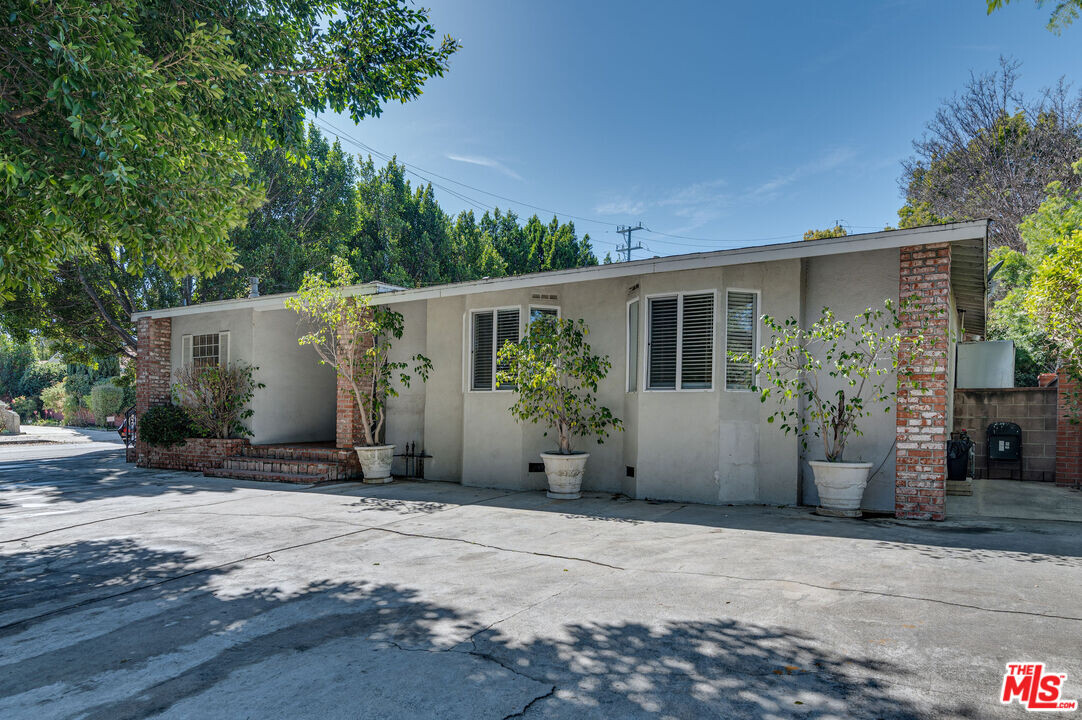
(986, 364)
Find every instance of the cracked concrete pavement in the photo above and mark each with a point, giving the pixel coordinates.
(130, 593)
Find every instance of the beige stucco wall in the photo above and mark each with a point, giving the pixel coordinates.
(711, 446)
(849, 284)
(298, 402)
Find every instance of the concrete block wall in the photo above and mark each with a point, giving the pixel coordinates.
(922, 411)
(1032, 409)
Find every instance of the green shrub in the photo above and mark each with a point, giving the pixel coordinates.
(54, 397)
(106, 398)
(77, 399)
(26, 407)
(39, 376)
(166, 425)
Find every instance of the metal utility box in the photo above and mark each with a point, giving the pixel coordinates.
(1004, 442)
(986, 364)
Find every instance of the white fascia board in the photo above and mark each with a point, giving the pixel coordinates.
(384, 293)
(887, 239)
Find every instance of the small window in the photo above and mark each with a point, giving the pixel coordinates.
(205, 351)
(633, 346)
(741, 313)
(537, 312)
(490, 329)
(680, 344)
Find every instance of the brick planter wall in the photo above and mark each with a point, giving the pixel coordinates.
(1068, 436)
(921, 453)
(195, 455)
(1031, 408)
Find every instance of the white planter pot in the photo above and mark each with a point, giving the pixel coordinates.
(565, 474)
(375, 462)
(841, 486)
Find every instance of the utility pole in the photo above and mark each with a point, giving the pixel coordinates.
(627, 230)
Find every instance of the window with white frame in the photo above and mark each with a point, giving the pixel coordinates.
(489, 330)
(680, 342)
(205, 350)
(633, 346)
(540, 311)
(741, 311)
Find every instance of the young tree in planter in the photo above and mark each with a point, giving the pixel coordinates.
(355, 338)
(555, 375)
(808, 364)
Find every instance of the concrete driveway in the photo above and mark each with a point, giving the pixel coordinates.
(130, 593)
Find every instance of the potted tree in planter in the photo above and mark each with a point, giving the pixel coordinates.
(842, 371)
(555, 374)
(355, 338)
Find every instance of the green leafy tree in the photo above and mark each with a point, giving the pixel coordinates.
(555, 375)
(125, 123)
(834, 232)
(309, 215)
(842, 371)
(1064, 12)
(355, 338)
(1036, 306)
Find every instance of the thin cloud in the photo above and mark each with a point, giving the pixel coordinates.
(831, 161)
(620, 206)
(485, 162)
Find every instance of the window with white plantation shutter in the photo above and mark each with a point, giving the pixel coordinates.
(506, 331)
(633, 346)
(482, 348)
(740, 318)
(697, 341)
(489, 330)
(662, 343)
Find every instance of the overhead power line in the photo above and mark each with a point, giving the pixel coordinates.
(427, 175)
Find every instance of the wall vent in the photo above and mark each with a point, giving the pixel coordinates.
(537, 467)
(543, 296)
(630, 471)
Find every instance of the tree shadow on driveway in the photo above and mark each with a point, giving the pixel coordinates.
(113, 629)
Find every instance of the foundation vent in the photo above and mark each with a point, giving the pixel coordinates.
(537, 467)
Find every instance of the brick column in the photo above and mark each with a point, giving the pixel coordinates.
(348, 429)
(921, 452)
(1068, 434)
(153, 364)
(153, 372)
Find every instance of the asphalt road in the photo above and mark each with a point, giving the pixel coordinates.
(130, 593)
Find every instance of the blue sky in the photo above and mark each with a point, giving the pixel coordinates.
(730, 123)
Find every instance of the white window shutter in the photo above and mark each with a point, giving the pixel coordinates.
(662, 343)
(507, 324)
(740, 322)
(186, 350)
(697, 341)
(482, 351)
(223, 349)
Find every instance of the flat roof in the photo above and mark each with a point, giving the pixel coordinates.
(972, 233)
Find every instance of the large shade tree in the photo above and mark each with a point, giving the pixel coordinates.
(123, 123)
(990, 152)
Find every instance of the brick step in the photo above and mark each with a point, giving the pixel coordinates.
(265, 476)
(316, 454)
(328, 470)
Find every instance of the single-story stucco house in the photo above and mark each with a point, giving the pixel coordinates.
(694, 429)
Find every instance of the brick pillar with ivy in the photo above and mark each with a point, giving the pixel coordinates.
(348, 429)
(922, 417)
(1068, 431)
